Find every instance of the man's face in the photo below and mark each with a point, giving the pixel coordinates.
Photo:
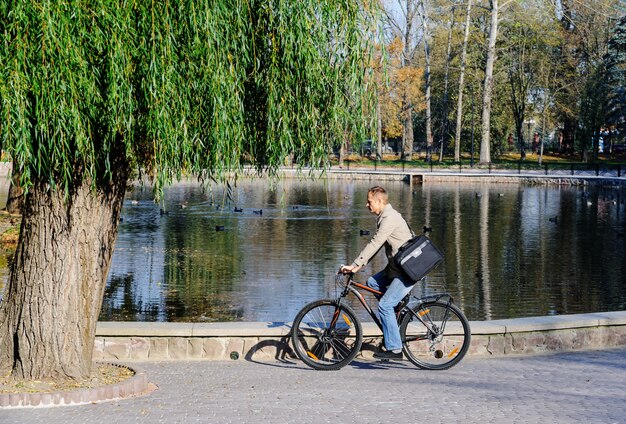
(374, 203)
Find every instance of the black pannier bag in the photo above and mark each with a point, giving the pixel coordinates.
(417, 257)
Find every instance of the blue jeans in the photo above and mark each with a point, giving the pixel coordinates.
(393, 292)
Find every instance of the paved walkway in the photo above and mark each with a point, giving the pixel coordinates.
(582, 387)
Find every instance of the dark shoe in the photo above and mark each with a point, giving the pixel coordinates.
(388, 355)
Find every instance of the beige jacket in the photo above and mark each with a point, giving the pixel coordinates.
(392, 232)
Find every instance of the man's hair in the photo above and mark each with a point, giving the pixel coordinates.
(379, 192)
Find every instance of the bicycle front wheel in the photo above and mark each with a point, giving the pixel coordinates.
(325, 335)
(436, 335)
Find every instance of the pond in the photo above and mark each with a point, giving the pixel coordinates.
(260, 251)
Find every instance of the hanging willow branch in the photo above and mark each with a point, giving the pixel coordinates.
(178, 87)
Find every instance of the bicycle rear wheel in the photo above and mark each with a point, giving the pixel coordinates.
(326, 336)
(436, 336)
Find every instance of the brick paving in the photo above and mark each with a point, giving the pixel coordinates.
(577, 387)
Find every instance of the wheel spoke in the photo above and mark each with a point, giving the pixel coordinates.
(326, 336)
(436, 336)
(340, 347)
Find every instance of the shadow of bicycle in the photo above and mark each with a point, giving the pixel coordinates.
(273, 352)
(279, 353)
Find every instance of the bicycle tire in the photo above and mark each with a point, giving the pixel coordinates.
(438, 339)
(323, 346)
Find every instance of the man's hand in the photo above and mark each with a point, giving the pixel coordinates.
(346, 269)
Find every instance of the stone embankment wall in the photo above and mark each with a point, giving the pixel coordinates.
(413, 177)
(128, 341)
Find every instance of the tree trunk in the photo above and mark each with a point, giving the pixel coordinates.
(444, 127)
(569, 134)
(459, 107)
(51, 305)
(485, 143)
(379, 131)
(429, 131)
(15, 199)
(543, 127)
(407, 130)
(518, 109)
(342, 153)
(407, 105)
(519, 131)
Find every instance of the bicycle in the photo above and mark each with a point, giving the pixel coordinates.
(327, 334)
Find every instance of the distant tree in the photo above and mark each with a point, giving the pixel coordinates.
(402, 87)
(580, 99)
(527, 49)
(15, 198)
(443, 139)
(403, 31)
(485, 140)
(459, 111)
(616, 78)
(426, 40)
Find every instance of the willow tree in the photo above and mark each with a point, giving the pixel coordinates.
(97, 92)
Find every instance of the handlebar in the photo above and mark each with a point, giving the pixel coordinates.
(341, 271)
(343, 279)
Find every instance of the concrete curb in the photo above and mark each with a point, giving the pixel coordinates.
(136, 341)
(133, 386)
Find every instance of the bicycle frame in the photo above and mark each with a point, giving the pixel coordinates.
(354, 287)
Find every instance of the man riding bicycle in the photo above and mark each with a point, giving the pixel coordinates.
(392, 232)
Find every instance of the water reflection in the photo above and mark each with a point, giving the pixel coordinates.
(511, 250)
(483, 276)
(507, 254)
